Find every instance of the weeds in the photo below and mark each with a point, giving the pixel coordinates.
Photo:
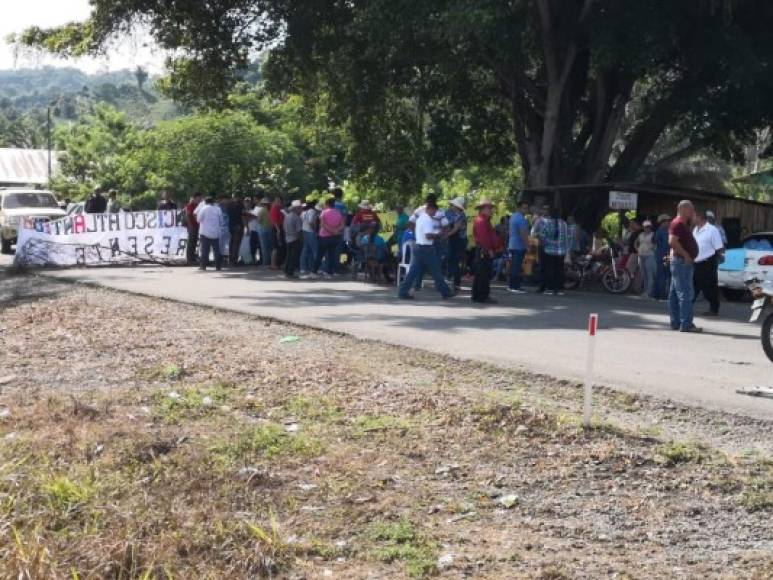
(268, 441)
(758, 495)
(365, 424)
(401, 542)
(191, 403)
(318, 409)
(64, 494)
(674, 453)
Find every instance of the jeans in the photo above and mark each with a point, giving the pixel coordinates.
(681, 294)
(516, 268)
(310, 252)
(481, 283)
(456, 247)
(662, 279)
(706, 280)
(206, 244)
(647, 267)
(425, 258)
(266, 236)
(293, 257)
(254, 245)
(328, 249)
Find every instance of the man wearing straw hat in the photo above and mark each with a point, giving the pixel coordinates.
(487, 243)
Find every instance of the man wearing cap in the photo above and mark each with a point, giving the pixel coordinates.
(365, 215)
(425, 256)
(711, 252)
(293, 226)
(684, 250)
(457, 239)
(712, 219)
(487, 244)
(517, 245)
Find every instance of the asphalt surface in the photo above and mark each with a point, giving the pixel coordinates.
(636, 351)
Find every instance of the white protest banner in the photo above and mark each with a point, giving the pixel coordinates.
(623, 200)
(100, 239)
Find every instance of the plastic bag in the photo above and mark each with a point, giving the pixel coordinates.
(245, 252)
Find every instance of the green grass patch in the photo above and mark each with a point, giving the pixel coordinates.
(164, 372)
(366, 424)
(190, 403)
(64, 494)
(319, 409)
(676, 452)
(758, 495)
(400, 541)
(268, 441)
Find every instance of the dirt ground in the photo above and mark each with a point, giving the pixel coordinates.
(141, 438)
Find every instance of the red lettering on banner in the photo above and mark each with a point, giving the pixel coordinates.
(79, 224)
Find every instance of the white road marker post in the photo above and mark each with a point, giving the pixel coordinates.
(593, 325)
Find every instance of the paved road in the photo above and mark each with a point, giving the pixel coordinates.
(636, 350)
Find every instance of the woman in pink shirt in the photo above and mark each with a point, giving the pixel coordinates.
(331, 228)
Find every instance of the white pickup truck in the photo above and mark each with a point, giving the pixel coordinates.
(18, 204)
(754, 259)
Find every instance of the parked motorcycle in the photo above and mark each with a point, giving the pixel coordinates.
(762, 310)
(603, 267)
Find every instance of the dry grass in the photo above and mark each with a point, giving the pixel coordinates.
(260, 459)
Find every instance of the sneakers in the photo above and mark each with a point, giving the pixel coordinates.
(517, 291)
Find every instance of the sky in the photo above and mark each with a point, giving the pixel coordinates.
(20, 14)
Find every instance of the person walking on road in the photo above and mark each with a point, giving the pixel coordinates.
(711, 251)
(425, 256)
(210, 217)
(684, 250)
(518, 245)
(487, 244)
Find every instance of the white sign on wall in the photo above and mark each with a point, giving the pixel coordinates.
(623, 200)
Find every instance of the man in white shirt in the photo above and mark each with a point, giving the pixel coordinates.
(425, 256)
(711, 251)
(209, 216)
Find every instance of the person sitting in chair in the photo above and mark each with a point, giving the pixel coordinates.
(376, 254)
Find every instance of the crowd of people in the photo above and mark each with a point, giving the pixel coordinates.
(669, 259)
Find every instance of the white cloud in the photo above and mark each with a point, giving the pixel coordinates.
(20, 14)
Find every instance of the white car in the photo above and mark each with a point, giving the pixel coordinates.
(754, 259)
(18, 204)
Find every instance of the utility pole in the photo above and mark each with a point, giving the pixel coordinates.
(48, 127)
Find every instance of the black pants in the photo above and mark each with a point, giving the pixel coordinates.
(235, 244)
(205, 244)
(190, 250)
(543, 268)
(554, 273)
(481, 283)
(705, 280)
(255, 245)
(293, 258)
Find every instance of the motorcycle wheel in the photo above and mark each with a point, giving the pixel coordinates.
(767, 336)
(616, 284)
(572, 278)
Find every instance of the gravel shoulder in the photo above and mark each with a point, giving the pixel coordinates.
(142, 436)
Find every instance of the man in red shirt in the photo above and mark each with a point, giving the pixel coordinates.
(684, 250)
(487, 244)
(192, 224)
(365, 215)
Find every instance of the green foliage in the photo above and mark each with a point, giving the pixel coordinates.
(400, 541)
(268, 441)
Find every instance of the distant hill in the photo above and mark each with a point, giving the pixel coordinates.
(71, 93)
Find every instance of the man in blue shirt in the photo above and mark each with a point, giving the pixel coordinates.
(517, 246)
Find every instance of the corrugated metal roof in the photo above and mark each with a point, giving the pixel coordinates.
(25, 166)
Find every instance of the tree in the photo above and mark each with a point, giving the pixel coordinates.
(580, 90)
